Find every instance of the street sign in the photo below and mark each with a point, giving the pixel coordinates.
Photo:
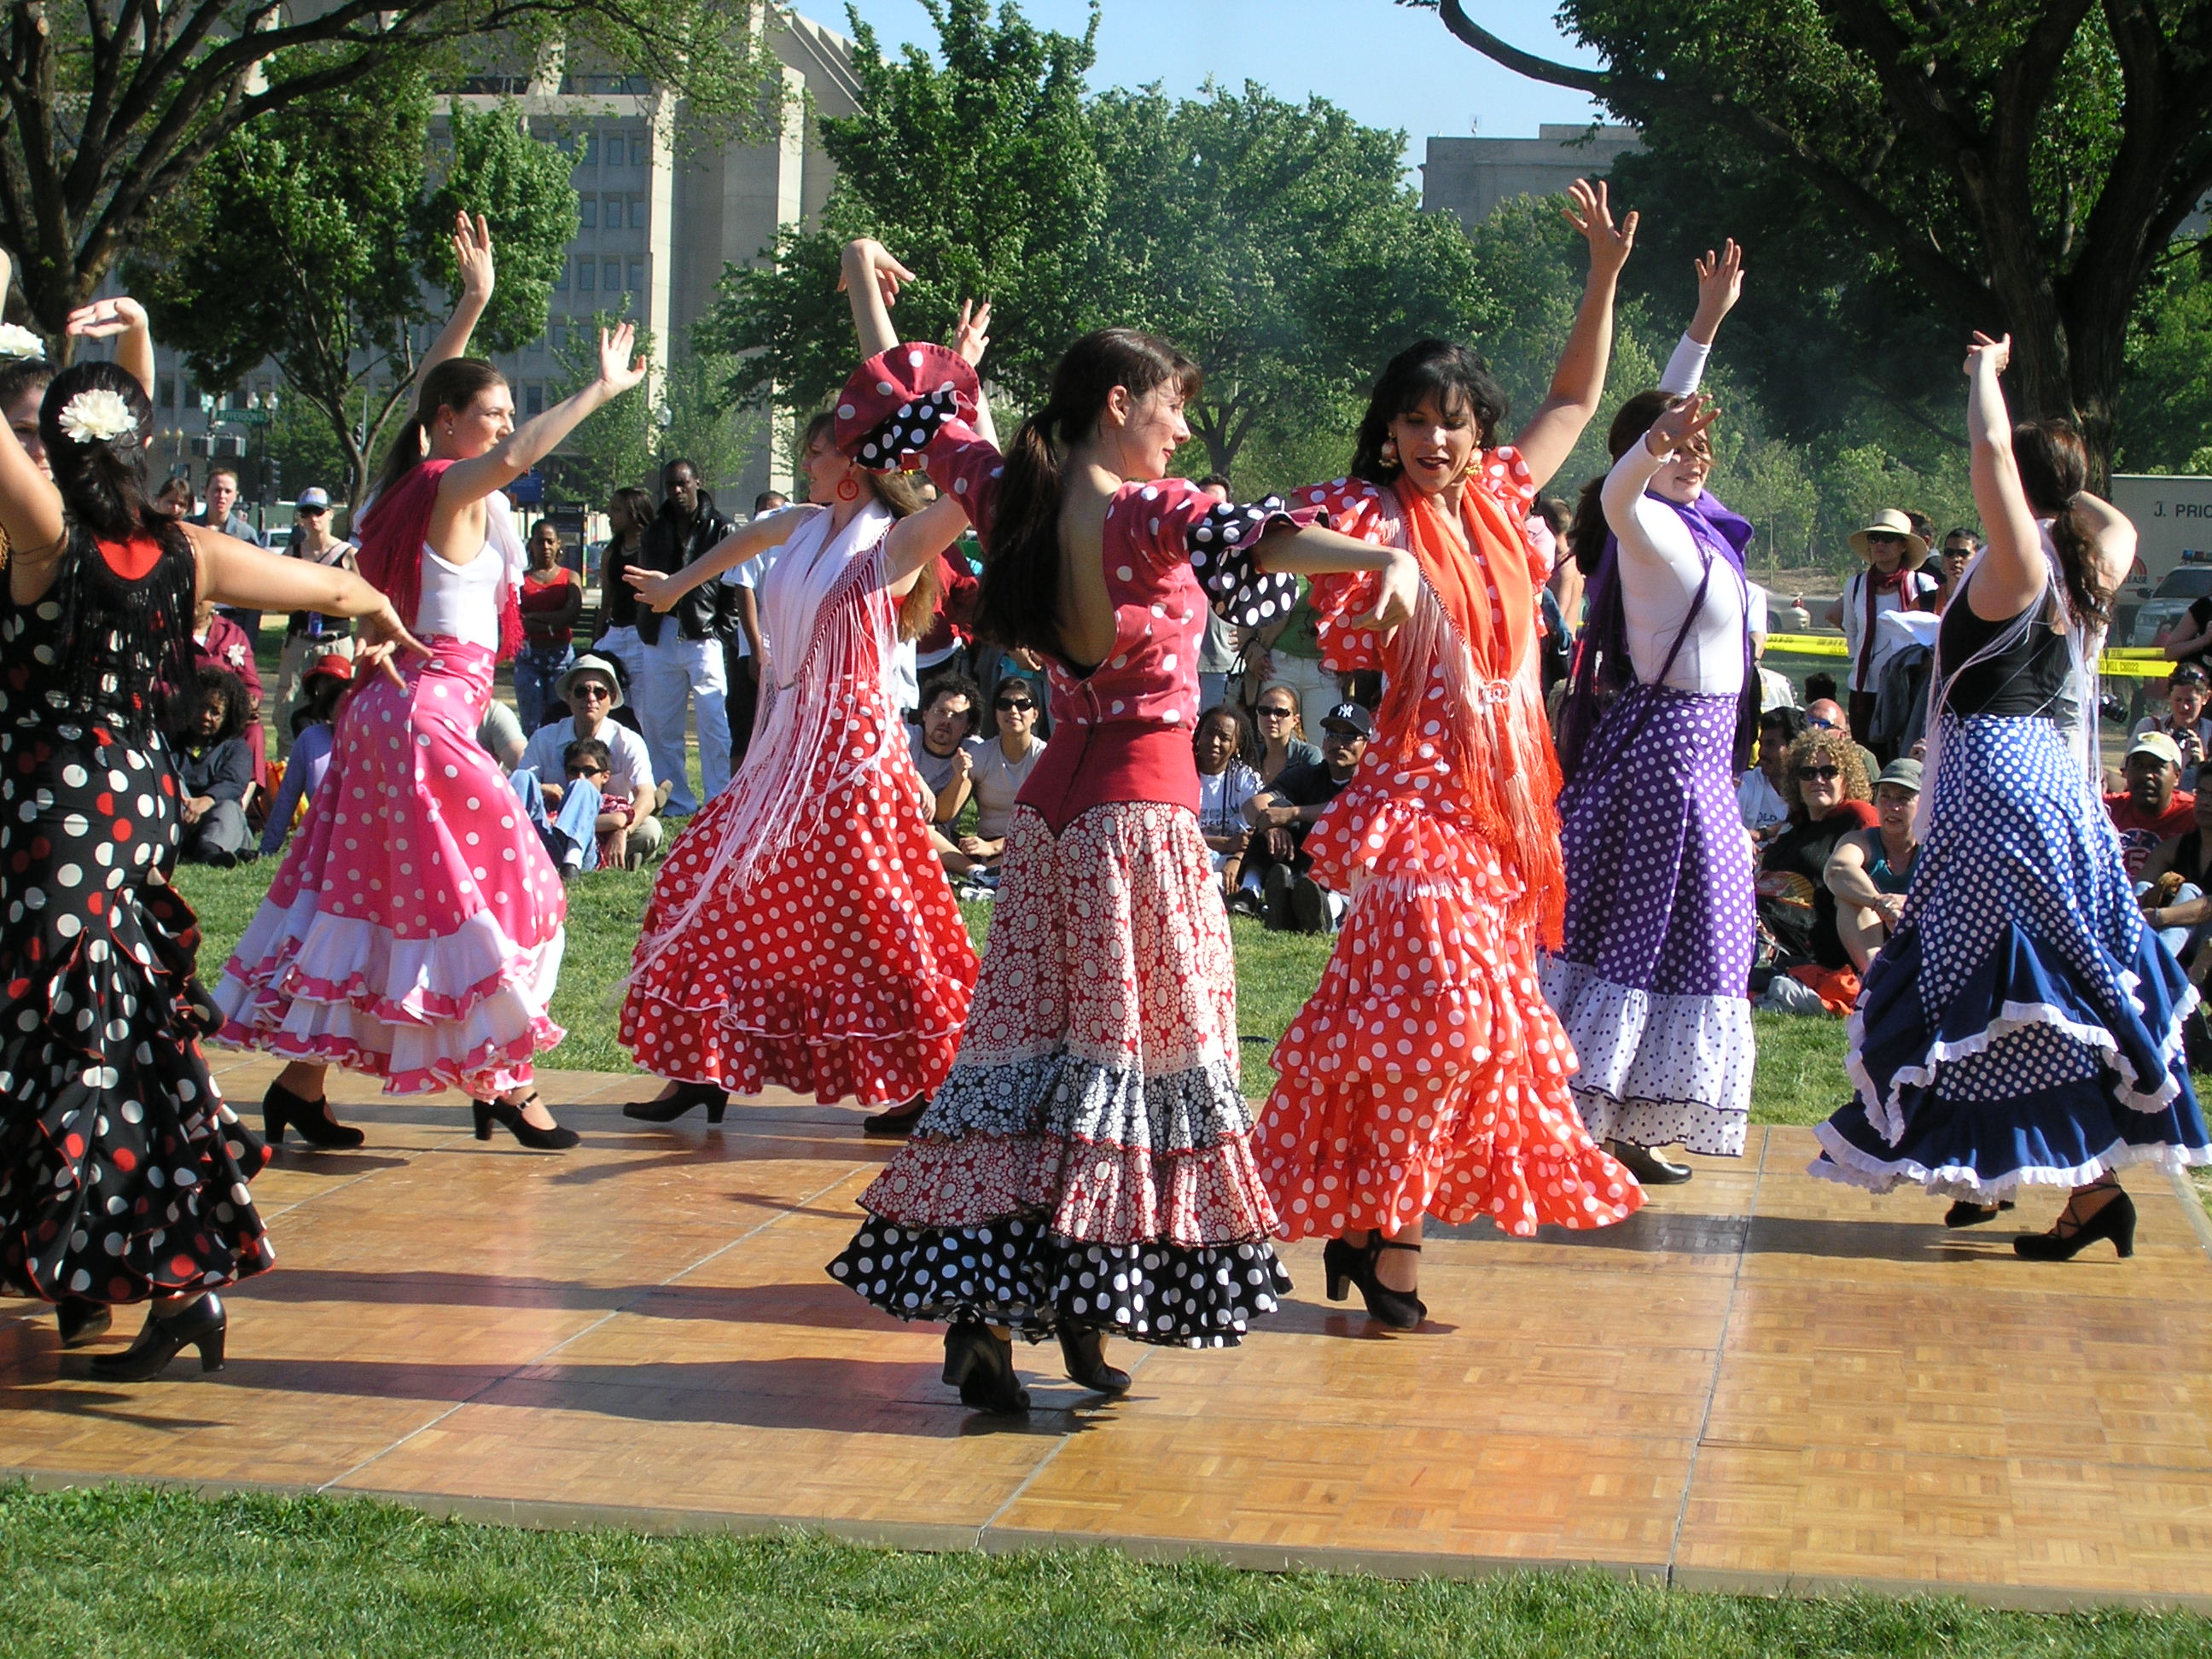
(241, 417)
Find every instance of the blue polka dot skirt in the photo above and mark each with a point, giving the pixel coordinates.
(2022, 1027)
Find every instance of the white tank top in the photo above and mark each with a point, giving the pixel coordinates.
(461, 601)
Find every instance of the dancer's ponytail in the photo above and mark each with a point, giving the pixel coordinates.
(454, 384)
(1019, 605)
(2054, 471)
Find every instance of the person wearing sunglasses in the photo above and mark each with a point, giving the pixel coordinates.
(1000, 765)
(1825, 784)
(1281, 726)
(626, 831)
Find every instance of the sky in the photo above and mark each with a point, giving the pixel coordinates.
(1387, 66)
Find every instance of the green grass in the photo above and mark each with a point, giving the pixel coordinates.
(1799, 1080)
(137, 1574)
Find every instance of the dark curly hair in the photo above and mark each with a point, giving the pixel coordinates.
(205, 681)
(1449, 377)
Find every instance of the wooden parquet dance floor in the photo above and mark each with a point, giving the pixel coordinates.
(1762, 1383)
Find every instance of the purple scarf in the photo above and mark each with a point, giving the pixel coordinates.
(1601, 667)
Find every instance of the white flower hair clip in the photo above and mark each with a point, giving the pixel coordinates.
(97, 416)
(19, 345)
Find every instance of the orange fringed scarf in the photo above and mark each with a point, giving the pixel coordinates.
(1503, 753)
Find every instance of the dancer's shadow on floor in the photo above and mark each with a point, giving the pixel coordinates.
(826, 1305)
(1677, 1232)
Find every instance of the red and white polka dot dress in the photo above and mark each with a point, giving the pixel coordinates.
(838, 966)
(1426, 1075)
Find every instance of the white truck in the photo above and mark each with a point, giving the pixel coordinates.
(2173, 517)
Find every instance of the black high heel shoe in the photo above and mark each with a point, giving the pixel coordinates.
(281, 1108)
(488, 1112)
(687, 1095)
(1968, 1213)
(203, 1326)
(981, 1365)
(1084, 1348)
(1347, 1264)
(2115, 1219)
(81, 1321)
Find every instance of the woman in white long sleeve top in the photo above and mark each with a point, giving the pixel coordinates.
(1650, 983)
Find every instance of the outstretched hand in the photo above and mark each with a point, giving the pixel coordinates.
(1720, 281)
(1590, 212)
(1674, 429)
(887, 273)
(383, 635)
(619, 369)
(1997, 352)
(657, 588)
(971, 335)
(1395, 593)
(472, 255)
(103, 318)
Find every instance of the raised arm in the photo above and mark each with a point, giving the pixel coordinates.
(871, 279)
(2012, 573)
(1719, 282)
(661, 590)
(1578, 384)
(534, 440)
(971, 337)
(472, 255)
(915, 541)
(31, 515)
(123, 317)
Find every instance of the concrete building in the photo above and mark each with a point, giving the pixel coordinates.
(660, 217)
(1471, 176)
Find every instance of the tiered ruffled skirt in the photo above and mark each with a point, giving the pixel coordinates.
(1088, 1160)
(841, 968)
(1650, 983)
(122, 1172)
(414, 933)
(1426, 1075)
(2022, 1027)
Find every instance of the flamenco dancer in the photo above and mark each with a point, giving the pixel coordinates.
(123, 1174)
(414, 931)
(803, 933)
(1651, 982)
(1427, 1076)
(2023, 1026)
(1086, 1167)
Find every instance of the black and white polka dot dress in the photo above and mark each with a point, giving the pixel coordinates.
(122, 1173)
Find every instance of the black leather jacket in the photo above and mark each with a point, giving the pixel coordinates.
(708, 612)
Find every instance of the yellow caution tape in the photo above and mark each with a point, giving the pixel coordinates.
(2129, 662)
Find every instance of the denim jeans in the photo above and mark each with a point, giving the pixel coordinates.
(571, 836)
(535, 668)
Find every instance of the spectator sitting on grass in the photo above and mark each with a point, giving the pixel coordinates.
(1871, 869)
(1827, 714)
(1282, 729)
(628, 832)
(309, 757)
(501, 736)
(567, 815)
(2176, 878)
(952, 707)
(2151, 806)
(1276, 864)
(215, 772)
(1825, 786)
(1760, 797)
(1226, 785)
(999, 766)
(220, 642)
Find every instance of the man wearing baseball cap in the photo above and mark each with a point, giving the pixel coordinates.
(1276, 867)
(309, 635)
(2153, 806)
(1871, 869)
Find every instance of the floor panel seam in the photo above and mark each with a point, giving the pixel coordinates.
(1720, 1358)
(620, 1308)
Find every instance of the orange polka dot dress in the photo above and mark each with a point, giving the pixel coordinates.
(1427, 1076)
(801, 934)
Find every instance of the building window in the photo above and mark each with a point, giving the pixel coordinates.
(559, 332)
(536, 345)
(610, 275)
(640, 150)
(165, 392)
(614, 216)
(637, 213)
(587, 209)
(533, 399)
(586, 271)
(590, 158)
(561, 278)
(618, 147)
(637, 275)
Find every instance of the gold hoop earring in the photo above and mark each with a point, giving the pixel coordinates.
(1390, 452)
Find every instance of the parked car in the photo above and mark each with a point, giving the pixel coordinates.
(2182, 587)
